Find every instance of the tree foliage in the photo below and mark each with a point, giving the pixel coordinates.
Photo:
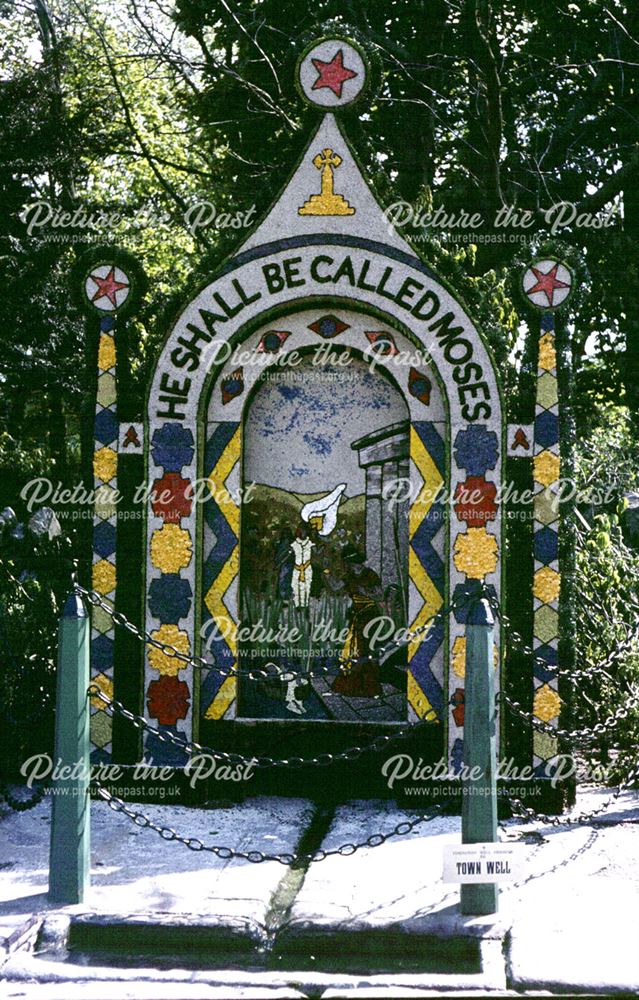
(607, 625)
(145, 108)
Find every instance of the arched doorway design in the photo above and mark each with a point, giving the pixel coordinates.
(434, 452)
(398, 446)
(403, 466)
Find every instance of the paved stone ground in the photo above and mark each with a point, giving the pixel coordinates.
(361, 926)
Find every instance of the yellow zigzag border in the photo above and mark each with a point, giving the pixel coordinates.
(433, 600)
(214, 598)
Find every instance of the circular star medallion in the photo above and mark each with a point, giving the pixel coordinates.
(332, 73)
(547, 284)
(107, 287)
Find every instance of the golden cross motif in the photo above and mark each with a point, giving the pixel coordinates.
(327, 202)
(326, 161)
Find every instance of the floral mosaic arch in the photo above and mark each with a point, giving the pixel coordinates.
(195, 434)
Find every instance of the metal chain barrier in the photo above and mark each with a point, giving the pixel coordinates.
(257, 857)
(22, 805)
(141, 820)
(201, 663)
(258, 673)
(114, 707)
(520, 645)
(572, 675)
(529, 815)
(327, 759)
(600, 727)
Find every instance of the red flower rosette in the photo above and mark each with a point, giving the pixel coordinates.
(476, 501)
(168, 700)
(169, 498)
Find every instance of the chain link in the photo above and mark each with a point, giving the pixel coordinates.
(22, 805)
(327, 759)
(201, 663)
(600, 727)
(141, 820)
(115, 707)
(519, 644)
(167, 833)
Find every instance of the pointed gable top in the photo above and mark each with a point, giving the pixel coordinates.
(327, 194)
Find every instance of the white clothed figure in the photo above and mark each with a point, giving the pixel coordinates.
(302, 571)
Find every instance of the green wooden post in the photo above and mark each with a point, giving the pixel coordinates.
(479, 804)
(69, 846)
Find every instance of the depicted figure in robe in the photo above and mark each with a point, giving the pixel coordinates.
(364, 587)
(302, 576)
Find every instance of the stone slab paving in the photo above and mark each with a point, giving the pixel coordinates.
(356, 925)
(574, 917)
(396, 882)
(577, 918)
(134, 872)
(110, 989)
(389, 904)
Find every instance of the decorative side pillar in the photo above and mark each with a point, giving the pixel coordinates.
(168, 680)
(547, 285)
(426, 568)
(547, 577)
(104, 571)
(221, 566)
(108, 293)
(475, 543)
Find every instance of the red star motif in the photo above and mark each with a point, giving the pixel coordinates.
(107, 287)
(547, 283)
(332, 74)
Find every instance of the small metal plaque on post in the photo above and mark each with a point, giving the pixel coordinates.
(482, 863)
